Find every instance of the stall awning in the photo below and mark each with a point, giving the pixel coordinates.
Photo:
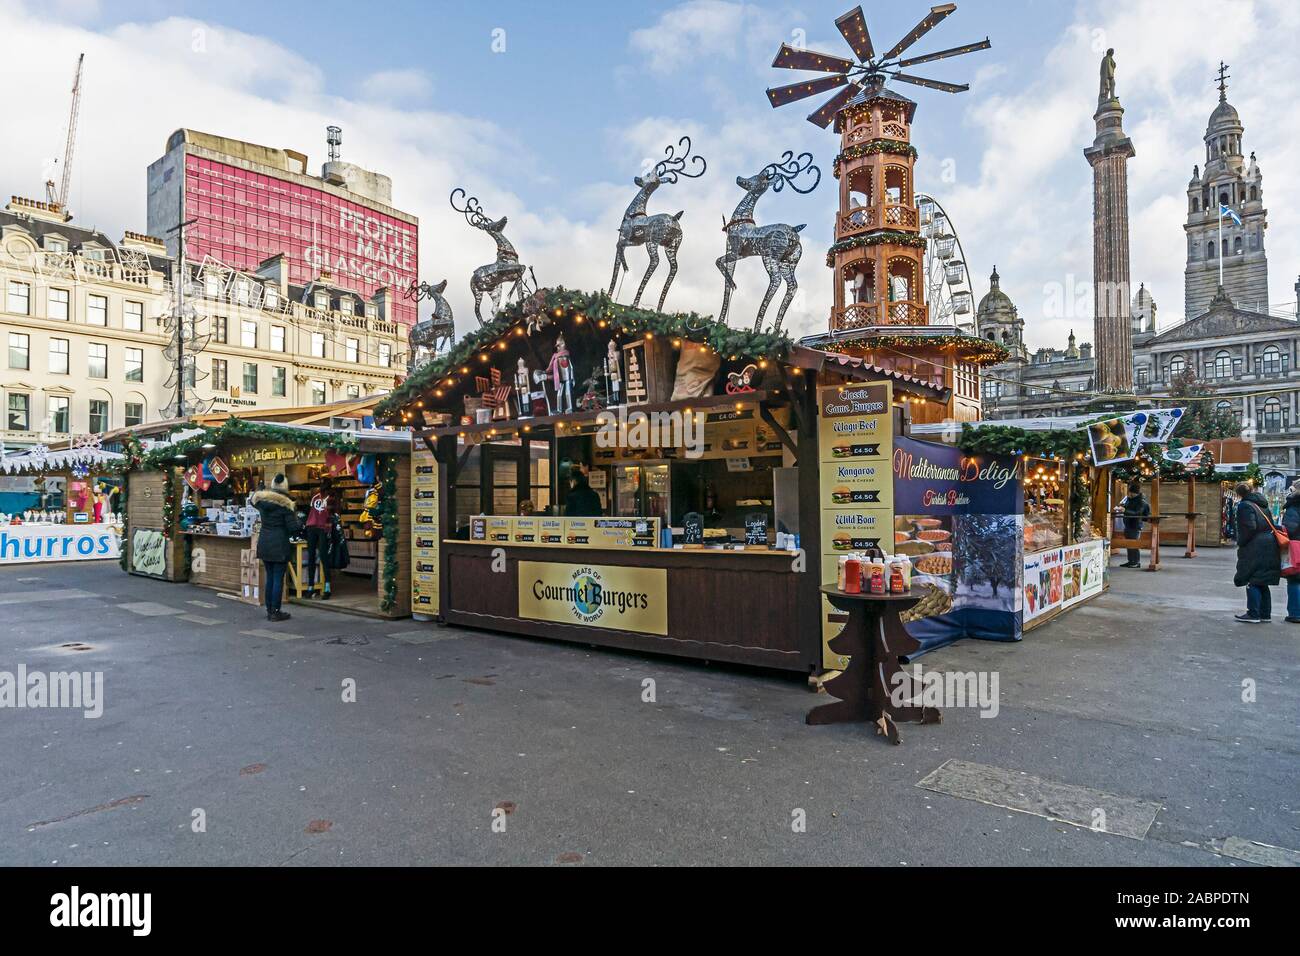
(34, 461)
(805, 357)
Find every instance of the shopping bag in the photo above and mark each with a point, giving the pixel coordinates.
(1291, 560)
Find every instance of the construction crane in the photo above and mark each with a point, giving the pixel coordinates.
(59, 199)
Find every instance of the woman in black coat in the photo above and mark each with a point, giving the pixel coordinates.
(1259, 563)
(279, 524)
(1291, 521)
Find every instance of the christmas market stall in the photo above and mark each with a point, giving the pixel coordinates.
(1057, 556)
(208, 531)
(62, 504)
(616, 476)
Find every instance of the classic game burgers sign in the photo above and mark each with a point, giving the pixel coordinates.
(855, 440)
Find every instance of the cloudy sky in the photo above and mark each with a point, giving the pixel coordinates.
(547, 112)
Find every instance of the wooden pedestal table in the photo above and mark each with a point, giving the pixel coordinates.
(874, 639)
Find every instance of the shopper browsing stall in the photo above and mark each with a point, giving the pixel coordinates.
(1291, 522)
(320, 523)
(279, 524)
(1136, 508)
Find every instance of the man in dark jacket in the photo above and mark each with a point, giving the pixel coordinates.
(582, 500)
(279, 524)
(1291, 521)
(1259, 563)
(1136, 508)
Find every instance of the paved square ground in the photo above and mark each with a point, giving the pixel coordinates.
(371, 742)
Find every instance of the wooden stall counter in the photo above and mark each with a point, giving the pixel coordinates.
(223, 562)
(735, 606)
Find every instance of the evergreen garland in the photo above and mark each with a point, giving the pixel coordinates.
(125, 485)
(1010, 440)
(875, 239)
(591, 307)
(893, 147)
(389, 523)
(169, 502)
(159, 458)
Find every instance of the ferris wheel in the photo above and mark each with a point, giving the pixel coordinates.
(947, 279)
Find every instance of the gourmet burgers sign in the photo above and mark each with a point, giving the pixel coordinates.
(618, 598)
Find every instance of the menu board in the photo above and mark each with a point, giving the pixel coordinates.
(855, 439)
(425, 543)
(1044, 584)
(566, 532)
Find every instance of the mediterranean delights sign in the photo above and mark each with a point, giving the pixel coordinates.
(589, 595)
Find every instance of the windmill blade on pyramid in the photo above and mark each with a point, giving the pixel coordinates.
(853, 27)
(871, 72)
(944, 54)
(798, 91)
(827, 111)
(931, 20)
(932, 84)
(789, 58)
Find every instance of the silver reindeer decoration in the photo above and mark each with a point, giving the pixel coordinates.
(777, 244)
(493, 277)
(661, 230)
(431, 336)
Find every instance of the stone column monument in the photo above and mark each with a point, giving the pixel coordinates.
(1112, 325)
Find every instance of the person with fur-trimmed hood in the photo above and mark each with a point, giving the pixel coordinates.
(279, 524)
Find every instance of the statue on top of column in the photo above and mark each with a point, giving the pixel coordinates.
(1107, 77)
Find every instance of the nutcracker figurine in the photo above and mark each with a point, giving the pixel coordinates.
(561, 371)
(523, 390)
(613, 375)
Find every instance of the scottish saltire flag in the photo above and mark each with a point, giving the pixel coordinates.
(1226, 212)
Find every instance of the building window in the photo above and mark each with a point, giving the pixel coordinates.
(248, 334)
(1142, 374)
(59, 304)
(59, 356)
(385, 354)
(322, 301)
(277, 338)
(241, 291)
(134, 415)
(20, 355)
(250, 378)
(220, 382)
(191, 371)
(220, 329)
(133, 316)
(279, 379)
(372, 311)
(354, 391)
(133, 363)
(97, 360)
(1177, 366)
(1222, 367)
(98, 416)
(59, 408)
(20, 298)
(96, 310)
(317, 393)
(20, 407)
(271, 300)
(1272, 419)
(318, 345)
(1272, 361)
(352, 350)
(55, 245)
(212, 287)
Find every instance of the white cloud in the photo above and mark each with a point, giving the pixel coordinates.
(397, 86)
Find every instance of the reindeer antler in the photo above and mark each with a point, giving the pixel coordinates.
(669, 169)
(789, 169)
(472, 211)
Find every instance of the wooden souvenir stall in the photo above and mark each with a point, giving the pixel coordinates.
(215, 470)
(703, 497)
